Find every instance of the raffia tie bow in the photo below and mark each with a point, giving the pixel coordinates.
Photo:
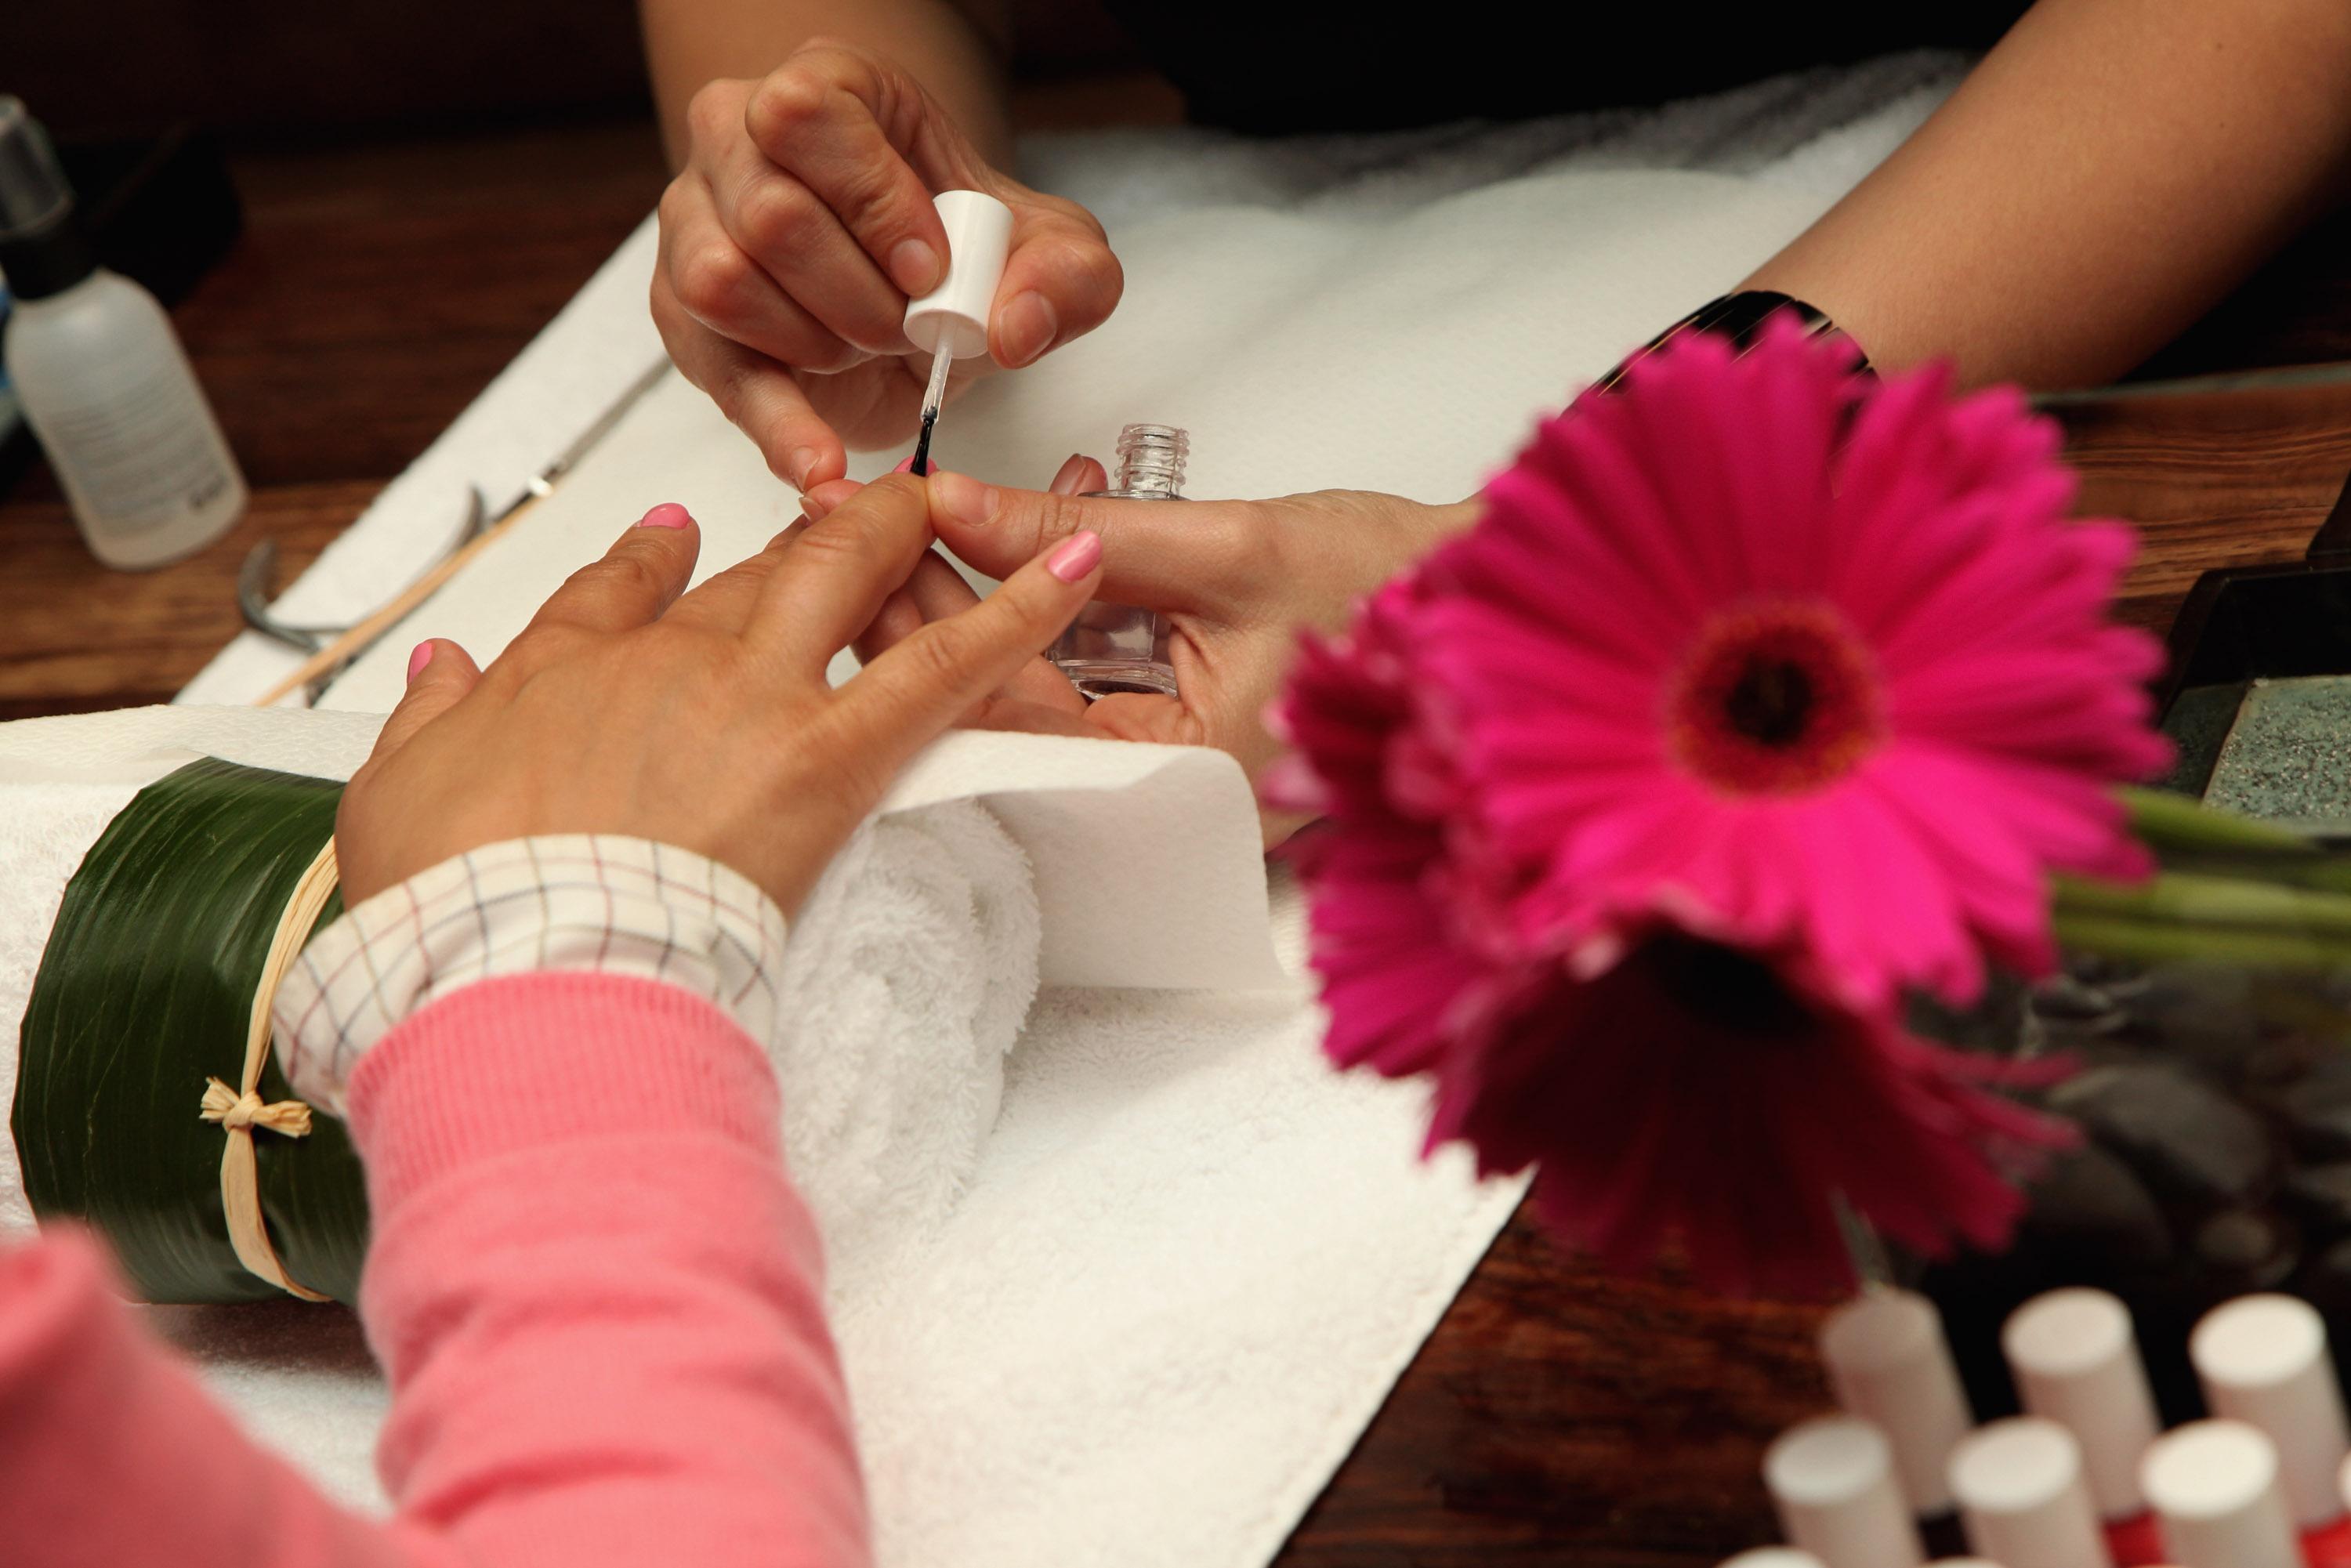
(232, 1111)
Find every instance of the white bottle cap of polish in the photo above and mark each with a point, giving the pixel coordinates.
(953, 316)
(2023, 1498)
(2076, 1361)
(2215, 1485)
(1832, 1479)
(1773, 1557)
(1890, 1364)
(2263, 1360)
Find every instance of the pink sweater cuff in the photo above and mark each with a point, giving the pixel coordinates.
(511, 1063)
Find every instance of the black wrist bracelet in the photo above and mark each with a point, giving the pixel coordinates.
(1738, 316)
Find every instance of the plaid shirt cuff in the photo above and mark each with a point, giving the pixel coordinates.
(578, 901)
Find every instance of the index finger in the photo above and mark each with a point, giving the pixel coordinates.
(829, 582)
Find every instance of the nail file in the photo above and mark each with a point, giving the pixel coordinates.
(950, 322)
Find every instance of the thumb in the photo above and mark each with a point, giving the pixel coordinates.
(1061, 280)
(1180, 555)
(440, 674)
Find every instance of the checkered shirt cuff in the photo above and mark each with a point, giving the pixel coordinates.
(577, 902)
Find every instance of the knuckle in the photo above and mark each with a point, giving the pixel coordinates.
(710, 279)
(847, 536)
(867, 200)
(777, 218)
(714, 112)
(625, 572)
(940, 656)
(791, 100)
(1060, 515)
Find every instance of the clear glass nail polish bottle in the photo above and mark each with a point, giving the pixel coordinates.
(1115, 648)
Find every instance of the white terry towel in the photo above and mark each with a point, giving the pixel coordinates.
(906, 977)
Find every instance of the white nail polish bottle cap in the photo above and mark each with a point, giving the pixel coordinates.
(1832, 1481)
(2076, 1361)
(1889, 1364)
(954, 314)
(2023, 1498)
(1773, 1557)
(2263, 1360)
(2215, 1485)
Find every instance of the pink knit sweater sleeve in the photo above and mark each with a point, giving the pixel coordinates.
(595, 1292)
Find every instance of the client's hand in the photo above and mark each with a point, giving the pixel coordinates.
(801, 225)
(1238, 579)
(702, 721)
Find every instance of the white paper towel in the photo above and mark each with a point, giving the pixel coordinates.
(1191, 1261)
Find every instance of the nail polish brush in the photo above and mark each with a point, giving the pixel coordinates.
(950, 322)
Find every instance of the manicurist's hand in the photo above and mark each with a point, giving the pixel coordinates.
(701, 719)
(799, 226)
(1238, 580)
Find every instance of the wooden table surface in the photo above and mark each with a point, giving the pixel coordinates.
(1558, 1416)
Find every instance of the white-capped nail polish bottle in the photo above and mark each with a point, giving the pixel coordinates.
(101, 378)
(1115, 648)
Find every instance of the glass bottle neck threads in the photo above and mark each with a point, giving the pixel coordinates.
(1151, 463)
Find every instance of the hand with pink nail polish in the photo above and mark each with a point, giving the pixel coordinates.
(700, 718)
(1238, 581)
(801, 223)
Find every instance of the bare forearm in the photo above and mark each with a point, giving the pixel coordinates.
(957, 52)
(2107, 174)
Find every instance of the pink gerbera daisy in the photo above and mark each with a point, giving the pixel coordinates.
(1670, 1089)
(1823, 659)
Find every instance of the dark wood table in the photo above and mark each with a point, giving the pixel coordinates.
(1558, 1416)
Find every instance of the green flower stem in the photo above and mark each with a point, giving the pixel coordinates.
(2192, 899)
(2171, 942)
(2168, 821)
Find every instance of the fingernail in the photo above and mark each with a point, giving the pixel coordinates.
(905, 467)
(420, 658)
(668, 515)
(964, 498)
(1075, 555)
(1071, 474)
(915, 267)
(1029, 327)
(813, 509)
(802, 463)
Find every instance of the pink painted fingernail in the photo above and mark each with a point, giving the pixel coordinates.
(905, 467)
(964, 498)
(420, 658)
(1075, 555)
(668, 515)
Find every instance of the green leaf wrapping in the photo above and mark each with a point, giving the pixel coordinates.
(145, 989)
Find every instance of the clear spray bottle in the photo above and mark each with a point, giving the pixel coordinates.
(101, 376)
(1112, 649)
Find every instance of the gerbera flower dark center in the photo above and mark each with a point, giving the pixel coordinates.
(1735, 992)
(1770, 703)
(1774, 698)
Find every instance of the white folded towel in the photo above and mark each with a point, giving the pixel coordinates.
(906, 980)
